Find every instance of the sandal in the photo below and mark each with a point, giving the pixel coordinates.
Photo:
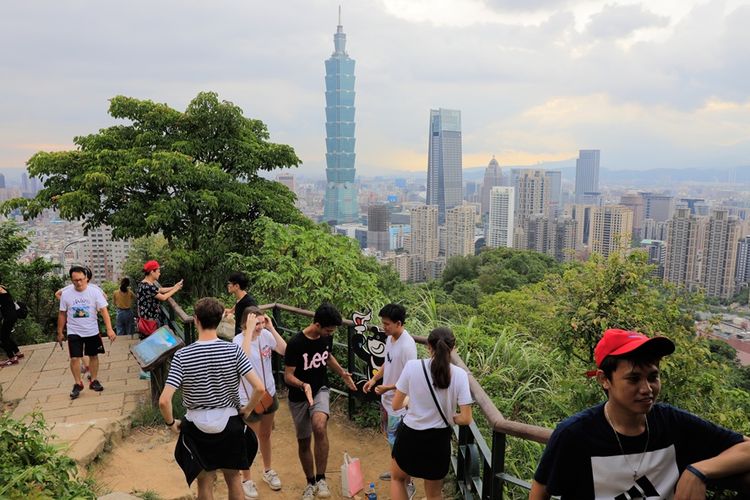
(10, 361)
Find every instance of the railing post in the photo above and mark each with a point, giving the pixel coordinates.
(492, 480)
(276, 359)
(350, 368)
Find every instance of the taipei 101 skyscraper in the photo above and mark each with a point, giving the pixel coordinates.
(341, 194)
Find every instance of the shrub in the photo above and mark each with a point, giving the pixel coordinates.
(32, 467)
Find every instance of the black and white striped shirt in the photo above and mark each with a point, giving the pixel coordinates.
(209, 374)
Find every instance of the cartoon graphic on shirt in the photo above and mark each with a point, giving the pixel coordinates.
(81, 311)
(368, 344)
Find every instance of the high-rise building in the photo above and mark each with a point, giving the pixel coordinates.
(341, 192)
(657, 252)
(493, 176)
(742, 275)
(694, 204)
(563, 239)
(582, 215)
(459, 223)
(720, 254)
(378, 227)
(587, 174)
(104, 255)
(470, 192)
(658, 207)
(554, 179)
(287, 180)
(25, 186)
(423, 238)
(532, 194)
(444, 161)
(611, 229)
(401, 263)
(634, 202)
(653, 230)
(501, 217)
(685, 235)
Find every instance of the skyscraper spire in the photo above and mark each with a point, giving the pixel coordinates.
(339, 39)
(341, 204)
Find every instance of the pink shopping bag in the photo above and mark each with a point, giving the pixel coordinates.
(351, 476)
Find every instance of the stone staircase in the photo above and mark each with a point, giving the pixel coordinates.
(42, 382)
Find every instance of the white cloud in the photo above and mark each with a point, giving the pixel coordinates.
(620, 21)
(531, 84)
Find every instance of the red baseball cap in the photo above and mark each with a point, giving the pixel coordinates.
(616, 342)
(151, 265)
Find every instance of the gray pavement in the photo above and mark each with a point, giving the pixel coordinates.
(42, 382)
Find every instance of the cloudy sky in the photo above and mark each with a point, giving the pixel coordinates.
(652, 84)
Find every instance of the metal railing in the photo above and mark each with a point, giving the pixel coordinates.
(479, 466)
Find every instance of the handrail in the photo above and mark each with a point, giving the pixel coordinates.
(479, 466)
(186, 318)
(497, 422)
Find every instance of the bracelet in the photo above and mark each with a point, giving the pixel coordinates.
(171, 423)
(697, 473)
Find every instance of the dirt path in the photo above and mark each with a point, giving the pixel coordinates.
(144, 461)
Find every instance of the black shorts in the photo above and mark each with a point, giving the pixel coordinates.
(424, 454)
(90, 346)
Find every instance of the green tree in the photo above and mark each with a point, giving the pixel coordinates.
(191, 176)
(34, 283)
(12, 245)
(304, 267)
(494, 270)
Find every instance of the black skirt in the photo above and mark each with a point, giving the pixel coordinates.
(424, 454)
(233, 448)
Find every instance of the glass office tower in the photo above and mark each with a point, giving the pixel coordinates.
(341, 193)
(444, 163)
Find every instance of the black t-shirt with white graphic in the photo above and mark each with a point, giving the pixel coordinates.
(309, 359)
(583, 459)
(239, 308)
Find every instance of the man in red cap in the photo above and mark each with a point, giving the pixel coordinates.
(630, 446)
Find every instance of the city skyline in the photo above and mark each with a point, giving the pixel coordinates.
(653, 85)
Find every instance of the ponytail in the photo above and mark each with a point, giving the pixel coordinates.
(124, 284)
(442, 342)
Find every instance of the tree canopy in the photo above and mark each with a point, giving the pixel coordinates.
(468, 279)
(191, 176)
(305, 266)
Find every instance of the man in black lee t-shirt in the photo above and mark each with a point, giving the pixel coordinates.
(307, 358)
(237, 286)
(631, 447)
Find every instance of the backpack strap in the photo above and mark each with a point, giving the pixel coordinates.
(432, 392)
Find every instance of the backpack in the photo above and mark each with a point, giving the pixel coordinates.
(21, 310)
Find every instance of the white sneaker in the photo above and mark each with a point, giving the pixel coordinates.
(248, 487)
(411, 490)
(272, 479)
(309, 493)
(322, 490)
